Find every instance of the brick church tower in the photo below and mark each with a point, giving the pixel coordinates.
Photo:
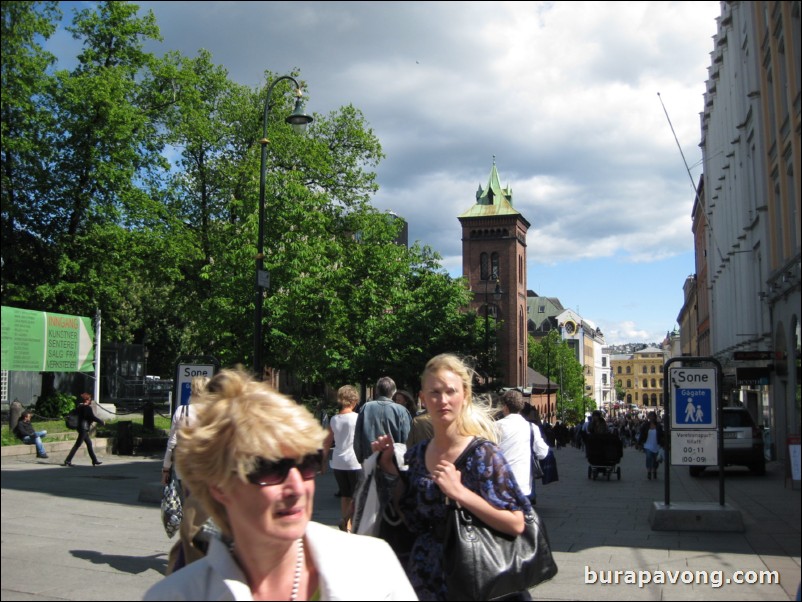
(494, 263)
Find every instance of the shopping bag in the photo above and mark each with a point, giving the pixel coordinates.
(172, 512)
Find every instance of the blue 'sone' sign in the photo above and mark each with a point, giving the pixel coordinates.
(693, 398)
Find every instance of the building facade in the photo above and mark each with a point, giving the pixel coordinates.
(494, 263)
(640, 374)
(746, 215)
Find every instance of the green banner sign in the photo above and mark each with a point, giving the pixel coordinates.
(38, 341)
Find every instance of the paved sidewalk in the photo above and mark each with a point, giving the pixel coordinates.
(82, 534)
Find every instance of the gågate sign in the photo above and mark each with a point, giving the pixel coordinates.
(694, 395)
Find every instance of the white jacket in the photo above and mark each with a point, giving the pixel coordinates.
(349, 566)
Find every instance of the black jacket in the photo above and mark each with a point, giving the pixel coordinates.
(24, 429)
(644, 433)
(86, 417)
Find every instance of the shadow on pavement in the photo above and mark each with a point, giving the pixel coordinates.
(125, 564)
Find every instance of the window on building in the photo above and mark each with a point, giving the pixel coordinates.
(629, 384)
(484, 266)
(652, 369)
(654, 383)
(541, 309)
(645, 370)
(645, 383)
(628, 369)
(619, 369)
(495, 274)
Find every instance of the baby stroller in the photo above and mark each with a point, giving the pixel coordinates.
(603, 452)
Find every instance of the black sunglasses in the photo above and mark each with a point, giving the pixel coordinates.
(273, 473)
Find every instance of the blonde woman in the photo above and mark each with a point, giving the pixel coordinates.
(343, 462)
(251, 459)
(480, 480)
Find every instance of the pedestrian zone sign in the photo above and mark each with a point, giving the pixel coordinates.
(693, 398)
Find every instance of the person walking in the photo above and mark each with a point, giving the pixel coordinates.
(341, 429)
(514, 436)
(381, 416)
(651, 439)
(462, 463)
(252, 459)
(190, 546)
(85, 419)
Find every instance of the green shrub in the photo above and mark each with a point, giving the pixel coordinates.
(55, 406)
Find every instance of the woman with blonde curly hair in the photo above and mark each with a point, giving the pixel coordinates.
(251, 459)
(461, 462)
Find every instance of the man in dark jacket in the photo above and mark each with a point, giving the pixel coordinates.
(27, 434)
(381, 416)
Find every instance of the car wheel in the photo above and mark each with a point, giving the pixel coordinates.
(695, 471)
(759, 468)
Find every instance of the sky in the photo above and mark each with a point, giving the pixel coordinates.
(566, 97)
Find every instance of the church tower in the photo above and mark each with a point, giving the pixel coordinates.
(494, 263)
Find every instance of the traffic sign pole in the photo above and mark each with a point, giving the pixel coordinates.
(693, 418)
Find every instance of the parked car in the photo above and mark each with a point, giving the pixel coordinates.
(743, 442)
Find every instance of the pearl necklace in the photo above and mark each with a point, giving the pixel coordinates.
(299, 564)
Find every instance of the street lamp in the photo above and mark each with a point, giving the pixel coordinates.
(497, 293)
(548, 378)
(298, 120)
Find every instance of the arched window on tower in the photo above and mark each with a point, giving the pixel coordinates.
(484, 266)
(494, 271)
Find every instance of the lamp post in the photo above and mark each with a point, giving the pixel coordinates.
(548, 378)
(298, 119)
(497, 293)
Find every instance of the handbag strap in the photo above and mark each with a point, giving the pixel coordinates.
(459, 463)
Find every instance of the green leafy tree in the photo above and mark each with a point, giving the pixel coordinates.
(27, 149)
(131, 184)
(554, 358)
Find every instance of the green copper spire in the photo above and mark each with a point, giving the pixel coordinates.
(493, 199)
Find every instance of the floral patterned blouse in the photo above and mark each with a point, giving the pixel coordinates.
(484, 471)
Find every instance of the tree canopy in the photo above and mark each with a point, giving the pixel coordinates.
(131, 185)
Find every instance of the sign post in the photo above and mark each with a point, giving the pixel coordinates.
(187, 369)
(694, 415)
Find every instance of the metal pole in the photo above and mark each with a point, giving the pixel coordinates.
(97, 357)
(258, 367)
(487, 339)
(548, 378)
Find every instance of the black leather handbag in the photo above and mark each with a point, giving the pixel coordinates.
(481, 563)
(537, 470)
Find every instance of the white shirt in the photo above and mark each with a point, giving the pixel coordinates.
(513, 439)
(378, 576)
(186, 415)
(343, 426)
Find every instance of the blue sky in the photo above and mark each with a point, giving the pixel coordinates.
(564, 95)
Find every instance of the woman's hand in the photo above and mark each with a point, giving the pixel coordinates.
(384, 444)
(165, 477)
(446, 476)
